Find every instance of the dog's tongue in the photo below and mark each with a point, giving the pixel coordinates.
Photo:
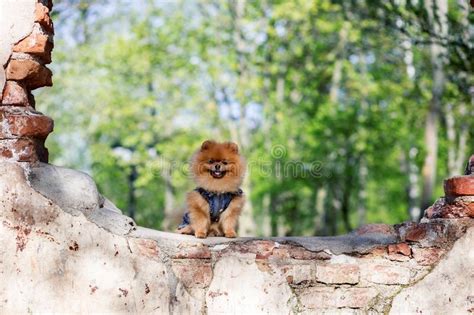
(217, 174)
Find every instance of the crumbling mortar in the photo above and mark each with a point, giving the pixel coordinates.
(128, 244)
(204, 309)
(278, 243)
(297, 307)
(25, 56)
(173, 280)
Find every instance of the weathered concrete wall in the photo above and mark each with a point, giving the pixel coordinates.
(449, 287)
(57, 256)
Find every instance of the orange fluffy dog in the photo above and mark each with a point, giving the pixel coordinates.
(215, 205)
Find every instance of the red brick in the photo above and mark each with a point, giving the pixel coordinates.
(261, 248)
(264, 249)
(299, 273)
(301, 253)
(383, 273)
(329, 297)
(379, 251)
(429, 233)
(401, 248)
(36, 44)
(459, 186)
(318, 297)
(5, 153)
(15, 94)
(398, 257)
(416, 233)
(32, 73)
(37, 126)
(148, 248)
(193, 273)
(193, 251)
(458, 207)
(281, 253)
(338, 274)
(42, 17)
(23, 150)
(427, 256)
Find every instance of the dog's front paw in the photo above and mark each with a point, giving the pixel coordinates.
(185, 230)
(200, 234)
(230, 234)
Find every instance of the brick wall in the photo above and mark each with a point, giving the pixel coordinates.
(24, 129)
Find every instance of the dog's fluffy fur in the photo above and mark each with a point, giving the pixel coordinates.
(216, 167)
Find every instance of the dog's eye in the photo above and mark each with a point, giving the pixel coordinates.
(224, 162)
(211, 161)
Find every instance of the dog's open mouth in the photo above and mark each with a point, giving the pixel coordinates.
(217, 174)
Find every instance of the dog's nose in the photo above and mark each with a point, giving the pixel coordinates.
(218, 166)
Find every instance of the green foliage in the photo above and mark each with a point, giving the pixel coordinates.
(145, 84)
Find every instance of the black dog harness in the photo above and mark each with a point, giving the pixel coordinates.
(218, 203)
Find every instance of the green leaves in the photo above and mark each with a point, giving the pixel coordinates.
(326, 82)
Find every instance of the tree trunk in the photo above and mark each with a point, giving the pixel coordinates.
(269, 227)
(323, 208)
(412, 189)
(346, 193)
(265, 228)
(337, 72)
(238, 127)
(463, 136)
(362, 193)
(273, 215)
(247, 226)
(331, 214)
(437, 12)
(456, 142)
(363, 170)
(409, 159)
(132, 200)
(320, 199)
(169, 199)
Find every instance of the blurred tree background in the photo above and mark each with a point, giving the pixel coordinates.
(349, 112)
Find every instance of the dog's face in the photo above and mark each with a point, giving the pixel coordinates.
(218, 166)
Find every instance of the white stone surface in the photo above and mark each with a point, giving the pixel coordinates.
(448, 289)
(16, 22)
(76, 192)
(109, 205)
(240, 287)
(112, 221)
(51, 261)
(73, 191)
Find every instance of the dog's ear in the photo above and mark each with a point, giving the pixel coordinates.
(233, 147)
(207, 144)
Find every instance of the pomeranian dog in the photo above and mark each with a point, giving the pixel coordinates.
(213, 208)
